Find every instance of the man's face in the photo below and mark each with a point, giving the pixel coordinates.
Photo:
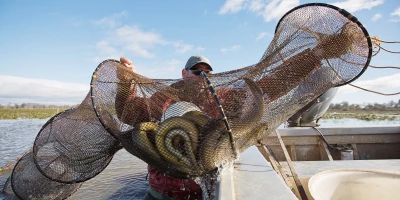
(186, 74)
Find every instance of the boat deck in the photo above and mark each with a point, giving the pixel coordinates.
(306, 169)
(253, 177)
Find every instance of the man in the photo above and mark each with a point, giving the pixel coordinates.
(132, 109)
(190, 89)
(194, 63)
(163, 186)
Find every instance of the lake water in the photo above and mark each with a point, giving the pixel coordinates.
(351, 122)
(125, 177)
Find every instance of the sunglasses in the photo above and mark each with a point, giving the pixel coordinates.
(198, 71)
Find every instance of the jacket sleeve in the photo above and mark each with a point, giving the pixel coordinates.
(289, 74)
(132, 108)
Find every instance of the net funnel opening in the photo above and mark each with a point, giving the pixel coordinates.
(177, 125)
(27, 182)
(73, 146)
(315, 47)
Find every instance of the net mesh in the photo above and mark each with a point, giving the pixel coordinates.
(189, 127)
(27, 182)
(73, 146)
(7, 189)
(176, 125)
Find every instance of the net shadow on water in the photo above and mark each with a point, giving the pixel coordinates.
(135, 188)
(16, 137)
(124, 178)
(132, 187)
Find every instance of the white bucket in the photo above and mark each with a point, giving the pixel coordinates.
(178, 109)
(346, 155)
(355, 184)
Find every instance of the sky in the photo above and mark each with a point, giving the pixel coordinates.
(49, 49)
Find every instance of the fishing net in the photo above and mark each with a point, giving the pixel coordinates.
(187, 128)
(73, 146)
(315, 48)
(7, 189)
(27, 182)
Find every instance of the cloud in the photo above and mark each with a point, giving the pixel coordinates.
(132, 40)
(180, 47)
(127, 40)
(395, 15)
(256, 5)
(244, 24)
(137, 41)
(233, 48)
(200, 48)
(167, 69)
(376, 17)
(70, 20)
(273, 10)
(231, 6)
(75, 21)
(262, 35)
(111, 21)
(380, 84)
(356, 5)
(396, 12)
(106, 51)
(27, 90)
(277, 8)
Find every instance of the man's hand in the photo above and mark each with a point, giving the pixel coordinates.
(127, 63)
(124, 73)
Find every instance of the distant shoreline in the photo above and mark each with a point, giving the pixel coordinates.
(43, 113)
(28, 113)
(368, 115)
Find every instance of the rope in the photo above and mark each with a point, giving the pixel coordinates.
(374, 91)
(221, 110)
(386, 41)
(385, 67)
(358, 87)
(376, 52)
(386, 49)
(324, 140)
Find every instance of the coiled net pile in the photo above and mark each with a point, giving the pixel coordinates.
(188, 127)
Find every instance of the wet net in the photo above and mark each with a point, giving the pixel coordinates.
(73, 146)
(187, 128)
(27, 182)
(178, 126)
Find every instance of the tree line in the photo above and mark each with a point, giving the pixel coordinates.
(391, 105)
(36, 106)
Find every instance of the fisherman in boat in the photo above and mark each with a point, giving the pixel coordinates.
(163, 186)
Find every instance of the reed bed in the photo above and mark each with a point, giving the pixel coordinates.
(28, 113)
(363, 115)
(43, 113)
